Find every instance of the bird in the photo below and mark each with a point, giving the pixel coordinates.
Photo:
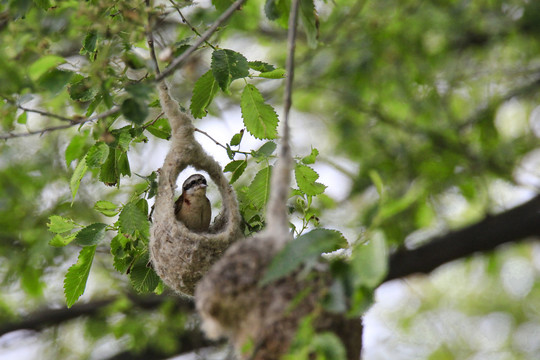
(193, 208)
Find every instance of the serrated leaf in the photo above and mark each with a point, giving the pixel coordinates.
(97, 155)
(278, 11)
(306, 180)
(237, 168)
(91, 235)
(58, 224)
(274, 74)
(80, 88)
(260, 119)
(44, 64)
(60, 241)
(89, 42)
(160, 129)
(261, 66)
(75, 148)
(143, 278)
(310, 21)
(265, 150)
(228, 65)
(311, 158)
(237, 138)
(203, 93)
(77, 176)
(305, 248)
(77, 275)
(108, 173)
(133, 219)
(105, 207)
(121, 257)
(370, 261)
(259, 189)
(134, 110)
(123, 164)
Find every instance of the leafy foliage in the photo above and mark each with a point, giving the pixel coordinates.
(260, 118)
(401, 93)
(77, 275)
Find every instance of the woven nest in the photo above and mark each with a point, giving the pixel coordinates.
(179, 256)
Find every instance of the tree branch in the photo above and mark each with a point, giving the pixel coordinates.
(185, 21)
(517, 224)
(74, 122)
(44, 318)
(180, 59)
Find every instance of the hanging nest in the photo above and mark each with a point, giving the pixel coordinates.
(179, 256)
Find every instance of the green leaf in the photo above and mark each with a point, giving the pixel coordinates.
(108, 173)
(310, 20)
(97, 155)
(43, 4)
(203, 93)
(91, 235)
(119, 251)
(260, 119)
(107, 208)
(134, 110)
(123, 163)
(237, 138)
(237, 168)
(139, 90)
(305, 248)
(132, 219)
(22, 118)
(90, 42)
(77, 176)
(77, 275)
(60, 241)
(265, 150)
(370, 261)
(222, 5)
(259, 188)
(377, 181)
(261, 66)
(75, 149)
(55, 80)
(44, 64)
(80, 89)
(274, 74)
(160, 129)
(311, 158)
(277, 10)
(228, 65)
(58, 224)
(143, 278)
(306, 180)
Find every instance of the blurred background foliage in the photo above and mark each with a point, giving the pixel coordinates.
(425, 115)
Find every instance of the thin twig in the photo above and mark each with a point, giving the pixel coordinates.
(291, 44)
(61, 127)
(220, 144)
(180, 59)
(40, 112)
(150, 123)
(188, 23)
(150, 37)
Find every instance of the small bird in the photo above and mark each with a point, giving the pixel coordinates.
(193, 207)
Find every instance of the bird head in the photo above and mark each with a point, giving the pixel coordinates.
(194, 184)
